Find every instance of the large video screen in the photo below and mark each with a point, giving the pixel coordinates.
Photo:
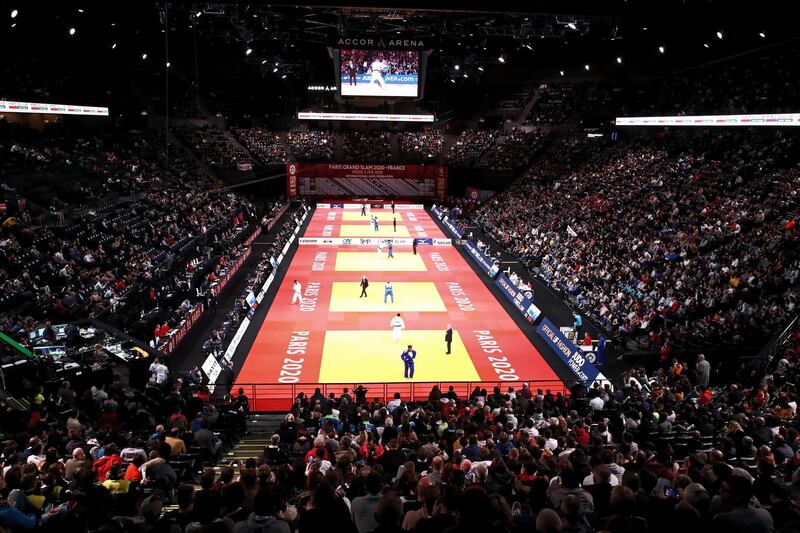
(379, 72)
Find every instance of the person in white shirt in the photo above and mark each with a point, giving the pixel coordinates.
(377, 67)
(398, 325)
(394, 403)
(297, 292)
(597, 403)
(159, 371)
(380, 248)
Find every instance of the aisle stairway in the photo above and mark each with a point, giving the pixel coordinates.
(259, 430)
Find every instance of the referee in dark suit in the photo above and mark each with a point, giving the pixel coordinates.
(448, 338)
(364, 285)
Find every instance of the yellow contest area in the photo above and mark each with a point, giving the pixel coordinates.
(385, 229)
(372, 262)
(353, 356)
(383, 216)
(408, 296)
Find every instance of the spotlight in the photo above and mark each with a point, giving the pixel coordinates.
(275, 70)
(501, 59)
(661, 49)
(283, 77)
(169, 64)
(719, 35)
(480, 68)
(705, 45)
(144, 56)
(456, 67)
(248, 51)
(72, 31)
(264, 62)
(114, 46)
(80, 10)
(586, 66)
(14, 13)
(198, 13)
(572, 26)
(760, 34)
(529, 47)
(619, 60)
(561, 72)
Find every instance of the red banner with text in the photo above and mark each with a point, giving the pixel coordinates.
(339, 180)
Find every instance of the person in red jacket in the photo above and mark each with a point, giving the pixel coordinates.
(582, 435)
(103, 465)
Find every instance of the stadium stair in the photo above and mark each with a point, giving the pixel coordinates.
(528, 106)
(260, 427)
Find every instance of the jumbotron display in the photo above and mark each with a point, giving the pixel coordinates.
(382, 73)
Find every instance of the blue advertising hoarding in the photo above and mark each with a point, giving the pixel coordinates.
(525, 306)
(479, 257)
(453, 229)
(574, 358)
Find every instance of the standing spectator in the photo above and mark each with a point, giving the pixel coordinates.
(703, 371)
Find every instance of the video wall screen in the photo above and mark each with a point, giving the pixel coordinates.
(382, 73)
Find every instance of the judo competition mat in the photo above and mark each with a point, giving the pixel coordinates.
(335, 338)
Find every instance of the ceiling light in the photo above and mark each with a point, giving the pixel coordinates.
(480, 68)
(198, 13)
(762, 35)
(586, 66)
(661, 49)
(14, 25)
(529, 47)
(719, 35)
(275, 70)
(144, 56)
(619, 60)
(452, 80)
(465, 75)
(705, 45)
(14, 13)
(80, 10)
(248, 51)
(283, 77)
(169, 64)
(72, 31)
(264, 62)
(456, 67)
(572, 26)
(113, 46)
(561, 72)
(501, 59)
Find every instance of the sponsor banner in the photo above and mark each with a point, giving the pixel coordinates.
(398, 207)
(479, 257)
(452, 227)
(263, 291)
(382, 42)
(573, 356)
(212, 368)
(518, 298)
(376, 206)
(772, 119)
(237, 338)
(369, 241)
(177, 335)
(357, 170)
(7, 106)
(366, 117)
